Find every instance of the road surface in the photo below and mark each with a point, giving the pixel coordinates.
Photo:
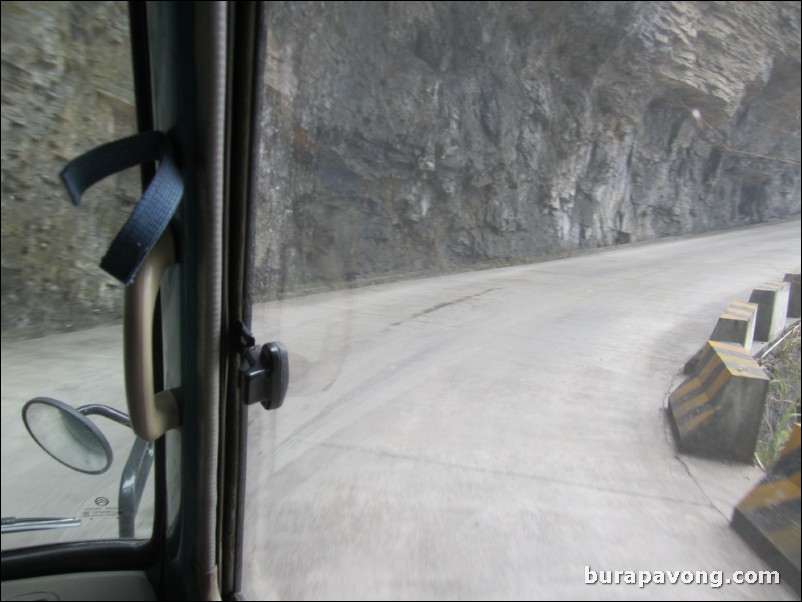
(491, 434)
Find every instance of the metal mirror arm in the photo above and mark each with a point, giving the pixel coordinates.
(96, 409)
(136, 471)
(132, 485)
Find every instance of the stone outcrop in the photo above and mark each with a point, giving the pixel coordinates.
(408, 138)
(66, 86)
(418, 137)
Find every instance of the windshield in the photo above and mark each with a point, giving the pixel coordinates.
(523, 257)
(478, 378)
(66, 74)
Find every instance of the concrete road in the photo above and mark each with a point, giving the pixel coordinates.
(492, 434)
(481, 435)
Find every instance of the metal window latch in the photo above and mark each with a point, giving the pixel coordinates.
(264, 372)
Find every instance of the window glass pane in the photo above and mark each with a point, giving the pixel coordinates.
(477, 388)
(67, 87)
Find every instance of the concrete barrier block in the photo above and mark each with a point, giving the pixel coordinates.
(768, 517)
(737, 324)
(772, 301)
(717, 411)
(794, 309)
(690, 367)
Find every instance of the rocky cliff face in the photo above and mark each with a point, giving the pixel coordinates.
(66, 86)
(406, 138)
(418, 137)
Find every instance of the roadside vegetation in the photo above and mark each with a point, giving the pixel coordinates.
(783, 405)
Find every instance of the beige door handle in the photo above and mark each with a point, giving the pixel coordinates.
(152, 415)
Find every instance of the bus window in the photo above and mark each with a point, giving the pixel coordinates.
(69, 461)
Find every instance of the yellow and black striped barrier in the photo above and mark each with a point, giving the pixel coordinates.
(717, 411)
(768, 517)
(737, 324)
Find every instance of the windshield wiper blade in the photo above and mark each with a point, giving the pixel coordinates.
(11, 524)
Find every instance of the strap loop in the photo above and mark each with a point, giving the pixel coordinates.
(153, 212)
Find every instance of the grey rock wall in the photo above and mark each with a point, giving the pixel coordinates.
(412, 137)
(406, 138)
(66, 87)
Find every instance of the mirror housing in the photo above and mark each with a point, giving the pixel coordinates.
(67, 435)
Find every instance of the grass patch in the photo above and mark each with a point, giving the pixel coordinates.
(783, 403)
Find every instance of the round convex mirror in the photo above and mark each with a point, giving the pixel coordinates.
(67, 435)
